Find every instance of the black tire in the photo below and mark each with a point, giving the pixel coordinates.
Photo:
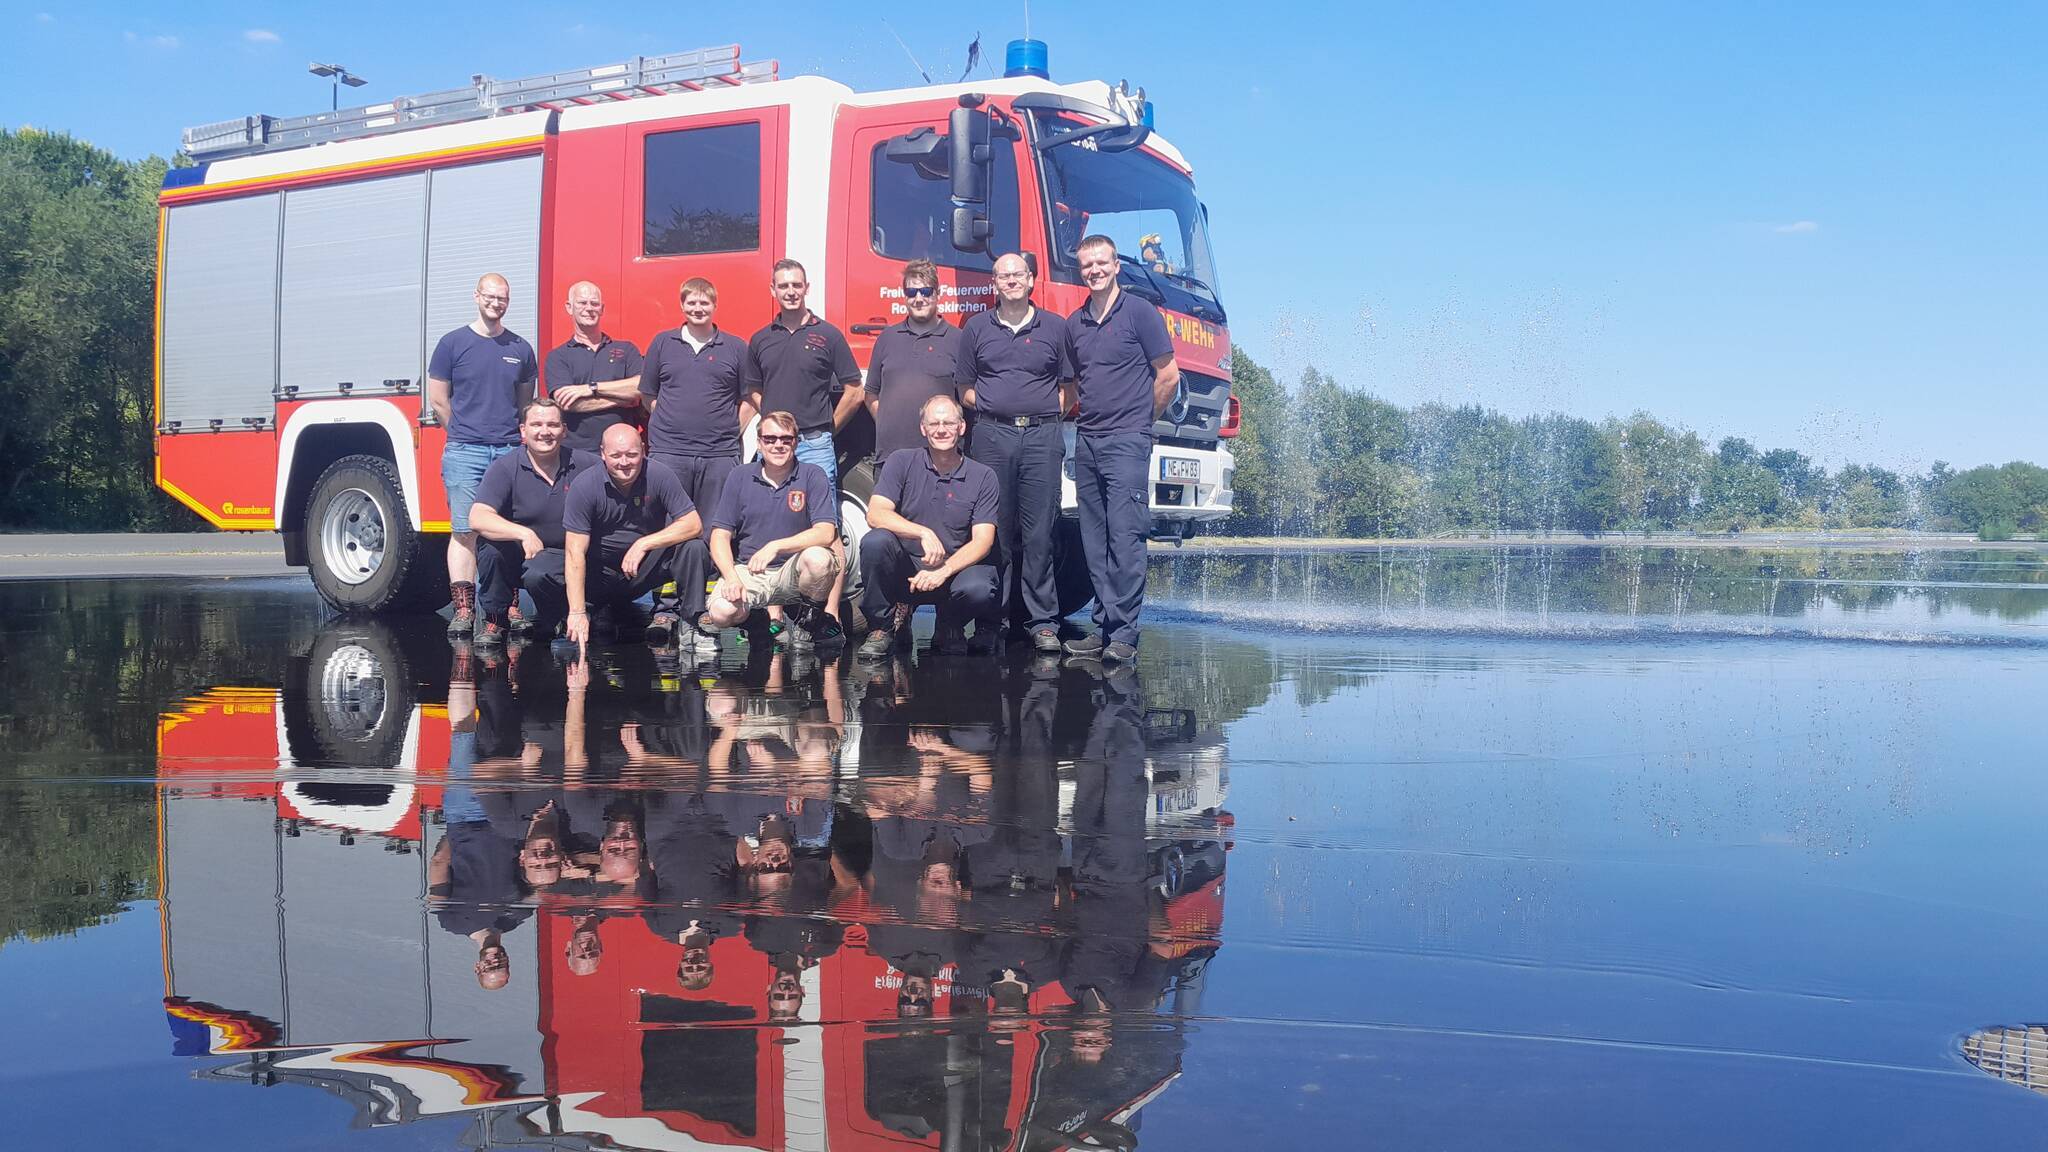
(349, 702)
(1070, 567)
(361, 549)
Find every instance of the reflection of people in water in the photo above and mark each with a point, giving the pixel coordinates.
(585, 948)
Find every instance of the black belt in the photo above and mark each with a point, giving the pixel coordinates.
(1018, 421)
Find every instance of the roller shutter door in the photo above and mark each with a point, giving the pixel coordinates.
(350, 309)
(220, 313)
(483, 218)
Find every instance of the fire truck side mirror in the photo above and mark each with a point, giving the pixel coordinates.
(970, 229)
(967, 137)
(923, 148)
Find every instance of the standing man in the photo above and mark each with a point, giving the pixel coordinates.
(477, 380)
(1015, 369)
(932, 525)
(911, 363)
(694, 388)
(644, 528)
(801, 365)
(518, 512)
(772, 538)
(1127, 376)
(593, 378)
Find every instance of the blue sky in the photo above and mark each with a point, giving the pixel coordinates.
(1818, 226)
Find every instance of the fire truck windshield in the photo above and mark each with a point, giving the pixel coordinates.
(1138, 200)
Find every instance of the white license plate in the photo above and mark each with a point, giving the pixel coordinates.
(1179, 468)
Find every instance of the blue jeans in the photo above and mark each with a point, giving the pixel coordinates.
(462, 469)
(817, 448)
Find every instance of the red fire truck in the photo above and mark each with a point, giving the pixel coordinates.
(308, 265)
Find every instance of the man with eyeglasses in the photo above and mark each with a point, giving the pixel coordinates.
(931, 528)
(478, 379)
(594, 378)
(1015, 370)
(771, 540)
(912, 362)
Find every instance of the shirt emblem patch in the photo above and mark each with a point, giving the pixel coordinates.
(815, 341)
(795, 500)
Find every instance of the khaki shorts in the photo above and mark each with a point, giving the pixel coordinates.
(775, 586)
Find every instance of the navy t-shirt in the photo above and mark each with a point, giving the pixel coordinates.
(696, 394)
(1113, 362)
(800, 371)
(577, 364)
(485, 375)
(906, 369)
(948, 503)
(756, 510)
(1015, 373)
(514, 490)
(615, 519)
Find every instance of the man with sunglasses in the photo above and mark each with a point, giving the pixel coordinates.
(771, 540)
(912, 362)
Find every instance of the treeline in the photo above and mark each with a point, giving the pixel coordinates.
(77, 332)
(77, 337)
(1321, 459)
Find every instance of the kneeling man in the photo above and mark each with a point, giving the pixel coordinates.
(626, 529)
(771, 539)
(518, 516)
(932, 525)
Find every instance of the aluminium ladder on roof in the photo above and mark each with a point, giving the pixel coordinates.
(483, 98)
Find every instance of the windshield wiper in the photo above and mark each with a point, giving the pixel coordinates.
(1151, 280)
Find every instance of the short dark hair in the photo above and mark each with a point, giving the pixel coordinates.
(787, 265)
(922, 271)
(527, 408)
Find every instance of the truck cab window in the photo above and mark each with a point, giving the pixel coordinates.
(703, 191)
(912, 215)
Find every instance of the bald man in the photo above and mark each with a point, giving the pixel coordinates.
(626, 529)
(478, 379)
(594, 378)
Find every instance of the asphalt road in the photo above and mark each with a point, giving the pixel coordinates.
(186, 554)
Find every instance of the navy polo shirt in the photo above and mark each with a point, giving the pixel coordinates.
(574, 363)
(1015, 373)
(911, 367)
(517, 492)
(1113, 362)
(484, 375)
(756, 510)
(696, 394)
(615, 519)
(949, 503)
(800, 371)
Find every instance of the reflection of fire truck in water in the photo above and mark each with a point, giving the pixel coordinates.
(308, 266)
(298, 832)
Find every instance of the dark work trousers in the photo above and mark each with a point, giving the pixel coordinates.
(887, 564)
(502, 569)
(603, 583)
(1111, 486)
(1026, 462)
(703, 479)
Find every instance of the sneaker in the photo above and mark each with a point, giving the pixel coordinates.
(949, 640)
(1046, 641)
(1089, 645)
(516, 620)
(877, 646)
(661, 629)
(825, 630)
(462, 594)
(1119, 652)
(698, 635)
(491, 632)
(790, 635)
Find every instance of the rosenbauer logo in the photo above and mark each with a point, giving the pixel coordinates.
(230, 508)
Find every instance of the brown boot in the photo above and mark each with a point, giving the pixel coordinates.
(463, 622)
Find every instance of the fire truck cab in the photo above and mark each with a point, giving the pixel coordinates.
(308, 266)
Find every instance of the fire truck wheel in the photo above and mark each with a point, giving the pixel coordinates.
(361, 549)
(1070, 567)
(350, 702)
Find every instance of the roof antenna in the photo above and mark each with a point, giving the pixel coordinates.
(907, 52)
